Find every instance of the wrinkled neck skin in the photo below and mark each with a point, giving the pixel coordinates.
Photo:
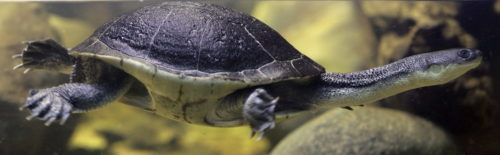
(358, 88)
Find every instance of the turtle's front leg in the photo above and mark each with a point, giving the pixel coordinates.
(57, 103)
(48, 105)
(258, 110)
(45, 54)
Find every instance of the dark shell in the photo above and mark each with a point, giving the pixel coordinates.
(199, 40)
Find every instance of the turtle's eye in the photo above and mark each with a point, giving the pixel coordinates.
(465, 53)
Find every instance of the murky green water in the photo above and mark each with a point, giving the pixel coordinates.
(460, 117)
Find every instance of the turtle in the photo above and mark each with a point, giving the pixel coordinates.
(206, 64)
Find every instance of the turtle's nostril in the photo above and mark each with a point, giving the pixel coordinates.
(478, 52)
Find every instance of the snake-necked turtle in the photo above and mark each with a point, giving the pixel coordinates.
(205, 64)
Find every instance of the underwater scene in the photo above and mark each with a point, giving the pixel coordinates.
(249, 77)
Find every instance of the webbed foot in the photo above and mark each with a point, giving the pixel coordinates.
(48, 105)
(44, 54)
(259, 111)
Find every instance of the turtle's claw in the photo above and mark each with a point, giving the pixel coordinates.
(27, 42)
(26, 70)
(23, 65)
(42, 54)
(17, 66)
(52, 119)
(48, 106)
(64, 115)
(17, 56)
(259, 112)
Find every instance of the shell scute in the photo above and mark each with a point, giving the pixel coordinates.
(204, 42)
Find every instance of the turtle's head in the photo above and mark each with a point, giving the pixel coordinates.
(443, 66)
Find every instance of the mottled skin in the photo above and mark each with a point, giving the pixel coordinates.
(205, 64)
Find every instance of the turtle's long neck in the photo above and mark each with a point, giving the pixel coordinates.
(348, 89)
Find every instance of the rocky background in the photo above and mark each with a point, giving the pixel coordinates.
(343, 36)
(467, 108)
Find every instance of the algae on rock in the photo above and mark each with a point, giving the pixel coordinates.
(399, 26)
(366, 130)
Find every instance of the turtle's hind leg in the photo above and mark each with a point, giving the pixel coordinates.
(45, 54)
(258, 110)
